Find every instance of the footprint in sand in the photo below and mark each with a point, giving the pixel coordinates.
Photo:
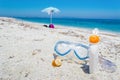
(38, 39)
(36, 51)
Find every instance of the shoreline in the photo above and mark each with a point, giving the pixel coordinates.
(78, 27)
(75, 27)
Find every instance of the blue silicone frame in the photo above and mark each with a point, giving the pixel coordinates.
(76, 44)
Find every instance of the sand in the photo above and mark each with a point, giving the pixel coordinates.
(27, 51)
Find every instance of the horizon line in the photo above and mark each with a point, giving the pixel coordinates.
(57, 17)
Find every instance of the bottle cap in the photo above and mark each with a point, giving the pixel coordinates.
(94, 38)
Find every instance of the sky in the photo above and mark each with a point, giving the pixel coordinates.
(68, 8)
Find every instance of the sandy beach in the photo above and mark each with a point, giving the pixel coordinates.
(27, 51)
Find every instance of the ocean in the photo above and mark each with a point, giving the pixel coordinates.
(112, 25)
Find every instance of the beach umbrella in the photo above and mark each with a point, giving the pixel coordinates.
(51, 11)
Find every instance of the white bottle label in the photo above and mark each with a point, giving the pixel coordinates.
(93, 60)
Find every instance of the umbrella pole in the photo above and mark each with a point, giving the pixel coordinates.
(51, 18)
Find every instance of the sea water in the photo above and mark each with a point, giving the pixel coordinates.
(103, 24)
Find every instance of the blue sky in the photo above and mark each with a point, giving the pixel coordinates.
(68, 8)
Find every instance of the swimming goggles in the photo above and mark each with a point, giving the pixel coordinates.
(81, 51)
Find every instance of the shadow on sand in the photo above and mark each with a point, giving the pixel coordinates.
(85, 68)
